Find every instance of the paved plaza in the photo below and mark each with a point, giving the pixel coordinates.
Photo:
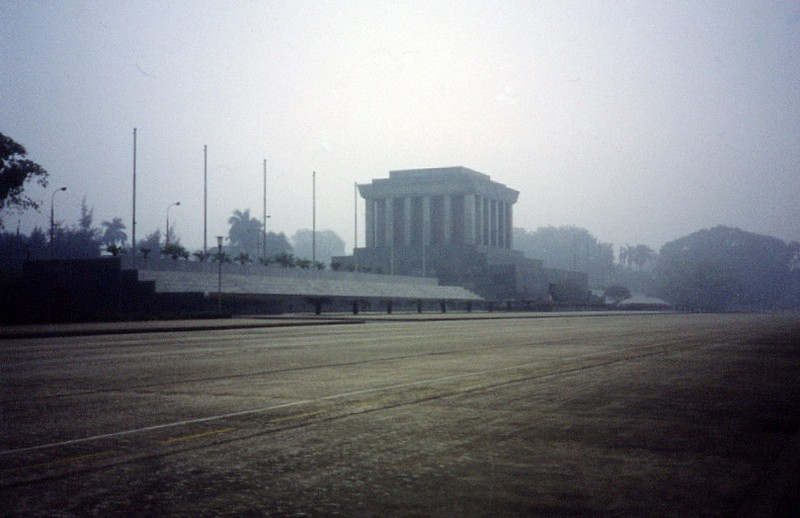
(485, 415)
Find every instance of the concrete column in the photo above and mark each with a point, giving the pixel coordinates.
(469, 219)
(389, 209)
(370, 223)
(426, 220)
(448, 220)
(493, 222)
(510, 219)
(407, 221)
(479, 219)
(497, 228)
(487, 221)
(501, 224)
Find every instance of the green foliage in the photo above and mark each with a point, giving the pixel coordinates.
(15, 172)
(151, 243)
(114, 232)
(641, 256)
(568, 248)
(220, 256)
(175, 251)
(115, 250)
(79, 241)
(277, 243)
(328, 244)
(286, 260)
(245, 232)
(726, 268)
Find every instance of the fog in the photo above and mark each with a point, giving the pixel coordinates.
(639, 121)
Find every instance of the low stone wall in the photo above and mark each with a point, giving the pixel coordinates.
(272, 270)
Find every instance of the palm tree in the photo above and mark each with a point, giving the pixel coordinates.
(286, 260)
(245, 232)
(642, 256)
(114, 233)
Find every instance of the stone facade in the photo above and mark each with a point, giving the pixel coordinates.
(452, 223)
(443, 206)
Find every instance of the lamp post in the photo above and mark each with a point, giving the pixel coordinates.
(171, 205)
(52, 214)
(314, 217)
(219, 275)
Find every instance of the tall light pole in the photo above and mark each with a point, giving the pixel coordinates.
(133, 219)
(205, 200)
(170, 206)
(314, 217)
(264, 228)
(52, 214)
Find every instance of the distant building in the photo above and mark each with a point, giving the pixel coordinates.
(455, 224)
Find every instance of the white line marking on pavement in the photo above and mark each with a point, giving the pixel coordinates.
(264, 409)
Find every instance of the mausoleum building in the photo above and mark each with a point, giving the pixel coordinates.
(452, 205)
(455, 224)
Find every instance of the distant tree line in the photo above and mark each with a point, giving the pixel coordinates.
(568, 248)
(83, 240)
(728, 269)
(717, 269)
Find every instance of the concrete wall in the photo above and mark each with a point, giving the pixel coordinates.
(269, 271)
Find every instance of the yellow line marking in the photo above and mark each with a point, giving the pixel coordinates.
(197, 435)
(67, 460)
(296, 416)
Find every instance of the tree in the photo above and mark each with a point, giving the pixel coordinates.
(617, 293)
(643, 256)
(220, 255)
(77, 241)
(245, 232)
(568, 248)
(328, 244)
(725, 268)
(175, 251)
(286, 260)
(84, 240)
(115, 250)
(114, 233)
(151, 243)
(15, 172)
(277, 243)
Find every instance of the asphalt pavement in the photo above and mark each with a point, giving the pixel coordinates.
(546, 415)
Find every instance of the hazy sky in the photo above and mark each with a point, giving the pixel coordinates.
(641, 121)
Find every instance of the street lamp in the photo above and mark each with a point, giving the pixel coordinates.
(52, 219)
(219, 266)
(172, 205)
